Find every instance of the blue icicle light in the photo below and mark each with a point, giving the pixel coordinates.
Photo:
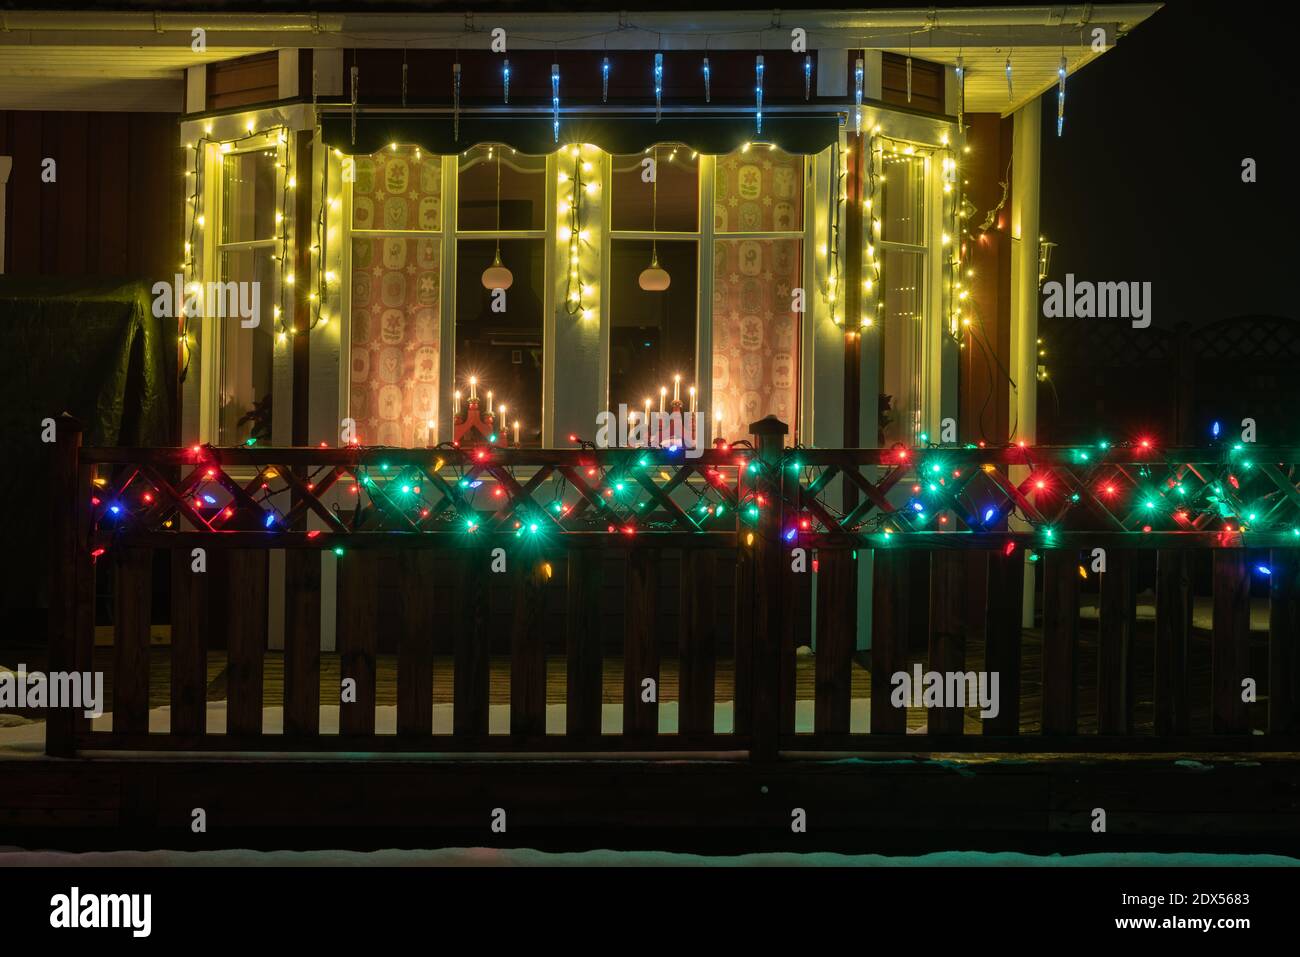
(659, 86)
(1060, 96)
(555, 101)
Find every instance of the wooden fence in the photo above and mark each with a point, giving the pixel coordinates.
(789, 528)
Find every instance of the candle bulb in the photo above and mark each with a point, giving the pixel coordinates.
(432, 436)
(647, 421)
(473, 388)
(516, 431)
(692, 391)
(455, 403)
(677, 388)
(663, 397)
(489, 402)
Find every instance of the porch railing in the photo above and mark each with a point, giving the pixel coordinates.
(946, 531)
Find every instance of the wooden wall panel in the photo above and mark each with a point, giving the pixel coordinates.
(927, 83)
(250, 79)
(115, 207)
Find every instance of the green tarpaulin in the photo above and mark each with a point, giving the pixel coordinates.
(88, 347)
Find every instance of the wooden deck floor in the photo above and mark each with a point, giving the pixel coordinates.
(1031, 680)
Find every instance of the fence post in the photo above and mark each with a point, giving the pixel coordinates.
(69, 561)
(767, 623)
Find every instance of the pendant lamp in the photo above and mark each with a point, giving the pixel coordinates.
(498, 276)
(654, 278)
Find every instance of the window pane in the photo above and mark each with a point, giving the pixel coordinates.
(677, 207)
(903, 200)
(504, 349)
(903, 346)
(244, 402)
(758, 190)
(398, 189)
(755, 331)
(396, 297)
(523, 190)
(248, 196)
(652, 334)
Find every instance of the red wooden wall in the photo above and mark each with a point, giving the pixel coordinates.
(115, 207)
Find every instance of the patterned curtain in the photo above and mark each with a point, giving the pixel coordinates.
(755, 327)
(396, 295)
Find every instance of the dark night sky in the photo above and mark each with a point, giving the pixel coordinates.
(1146, 182)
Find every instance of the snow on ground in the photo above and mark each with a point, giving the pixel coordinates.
(521, 857)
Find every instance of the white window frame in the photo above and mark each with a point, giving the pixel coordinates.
(451, 251)
(706, 236)
(211, 348)
(932, 296)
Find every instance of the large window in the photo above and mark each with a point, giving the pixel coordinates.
(757, 264)
(395, 337)
(501, 213)
(245, 255)
(654, 218)
(903, 274)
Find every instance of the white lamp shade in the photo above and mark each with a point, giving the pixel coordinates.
(653, 278)
(497, 276)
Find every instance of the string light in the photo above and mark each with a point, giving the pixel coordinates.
(961, 94)
(758, 95)
(708, 93)
(455, 96)
(576, 292)
(858, 77)
(659, 86)
(505, 82)
(555, 101)
(1060, 96)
